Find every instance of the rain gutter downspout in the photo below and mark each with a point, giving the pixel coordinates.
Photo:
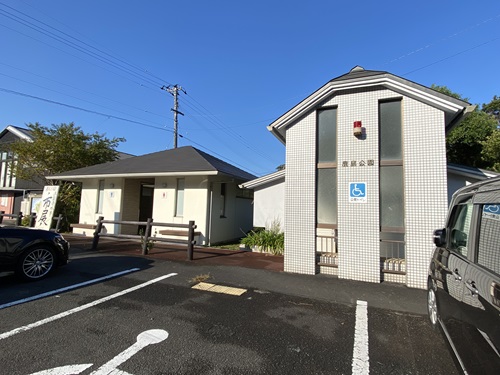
(209, 221)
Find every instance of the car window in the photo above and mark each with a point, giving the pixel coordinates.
(459, 228)
(488, 250)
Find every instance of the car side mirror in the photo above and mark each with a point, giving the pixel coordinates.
(440, 237)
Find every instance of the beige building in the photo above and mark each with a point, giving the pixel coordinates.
(173, 186)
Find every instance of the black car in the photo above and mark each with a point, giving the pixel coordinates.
(464, 278)
(31, 253)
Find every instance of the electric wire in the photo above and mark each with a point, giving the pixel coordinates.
(107, 61)
(83, 50)
(73, 45)
(76, 88)
(122, 119)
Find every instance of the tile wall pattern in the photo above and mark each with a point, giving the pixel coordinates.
(425, 188)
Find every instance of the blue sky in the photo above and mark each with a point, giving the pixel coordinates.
(101, 64)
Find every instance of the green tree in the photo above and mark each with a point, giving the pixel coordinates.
(58, 149)
(465, 143)
(491, 150)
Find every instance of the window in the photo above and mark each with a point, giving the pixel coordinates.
(488, 251)
(326, 174)
(223, 200)
(459, 228)
(100, 197)
(392, 226)
(179, 199)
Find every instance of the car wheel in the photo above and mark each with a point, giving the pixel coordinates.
(432, 306)
(36, 263)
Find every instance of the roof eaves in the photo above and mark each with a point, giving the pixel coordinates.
(130, 175)
(472, 172)
(264, 180)
(19, 133)
(396, 83)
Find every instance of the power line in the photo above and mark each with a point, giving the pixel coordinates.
(74, 87)
(99, 55)
(122, 119)
(80, 108)
(451, 56)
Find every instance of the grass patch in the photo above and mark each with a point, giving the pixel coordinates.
(200, 278)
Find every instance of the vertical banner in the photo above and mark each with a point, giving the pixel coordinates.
(46, 207)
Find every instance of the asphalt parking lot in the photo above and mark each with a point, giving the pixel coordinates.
(143, 316)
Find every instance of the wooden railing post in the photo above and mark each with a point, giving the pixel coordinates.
(147, 234)
(95, 242)
(19, 219)
(191, 241)
(32, 219)
(58, 223)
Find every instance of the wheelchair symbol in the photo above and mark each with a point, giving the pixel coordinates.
(357, 192)
(153, 336)
(492, 208)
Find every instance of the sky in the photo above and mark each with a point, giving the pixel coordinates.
(101, 64)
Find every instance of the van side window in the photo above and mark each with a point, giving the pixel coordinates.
(459, 228)
(488, 250)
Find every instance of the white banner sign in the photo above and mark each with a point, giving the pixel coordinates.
(46, 206)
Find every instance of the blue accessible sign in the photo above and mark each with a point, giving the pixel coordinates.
(357, 192)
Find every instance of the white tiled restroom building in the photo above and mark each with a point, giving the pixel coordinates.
(362, 206)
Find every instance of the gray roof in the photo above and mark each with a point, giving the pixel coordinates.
(178, 161)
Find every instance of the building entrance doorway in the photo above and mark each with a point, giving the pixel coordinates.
(146, 204)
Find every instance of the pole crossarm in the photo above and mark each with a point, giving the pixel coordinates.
(174, 90)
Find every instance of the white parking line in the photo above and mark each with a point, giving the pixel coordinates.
(83, 307)
(360, 358)
(65, 289)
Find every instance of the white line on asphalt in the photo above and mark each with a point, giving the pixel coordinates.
(360, 358)
(65, 289)
(83, 307)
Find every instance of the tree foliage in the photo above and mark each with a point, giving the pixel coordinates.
(475, 141)
(58, 149)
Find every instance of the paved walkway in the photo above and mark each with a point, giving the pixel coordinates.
(201, 255)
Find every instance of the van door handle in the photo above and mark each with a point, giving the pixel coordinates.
(456, 275)
(471, 285)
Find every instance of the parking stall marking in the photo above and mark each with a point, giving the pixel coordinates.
(81, 308)
(151, 337)
(65, 289)
(360, 358)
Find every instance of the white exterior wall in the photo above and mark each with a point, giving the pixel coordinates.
(358, 223)
(269, 205)
(111, 204)
(238, 214)
(122, 202)
(300, 197)
(425, 187)
(195, 202)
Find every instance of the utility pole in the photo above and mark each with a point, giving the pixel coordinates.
(174, 90)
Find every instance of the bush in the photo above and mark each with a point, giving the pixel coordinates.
(271, 240)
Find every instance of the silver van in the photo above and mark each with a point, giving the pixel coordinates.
(464, 278)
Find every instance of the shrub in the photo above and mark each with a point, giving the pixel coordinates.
(271, 240)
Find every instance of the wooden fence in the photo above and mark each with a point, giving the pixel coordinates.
(186, 230)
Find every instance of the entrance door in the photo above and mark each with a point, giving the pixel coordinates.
(146, 204)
